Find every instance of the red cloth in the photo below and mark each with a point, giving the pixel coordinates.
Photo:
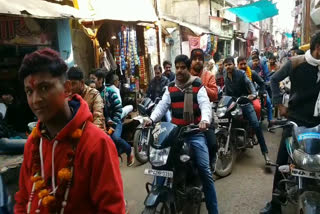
(257, 107)
(97, 184)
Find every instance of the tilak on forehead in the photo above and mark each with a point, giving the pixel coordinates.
(31, 82)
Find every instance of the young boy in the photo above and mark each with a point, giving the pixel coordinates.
(70, 165)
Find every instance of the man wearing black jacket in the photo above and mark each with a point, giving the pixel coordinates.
(303, 72)
(256, 79)
(237, 84)
(157, 84)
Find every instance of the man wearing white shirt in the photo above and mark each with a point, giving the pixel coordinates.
(189, 103)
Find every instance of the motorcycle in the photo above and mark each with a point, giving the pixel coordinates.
(177, 187)
(233, 133)
(301, 177)
(142, 134)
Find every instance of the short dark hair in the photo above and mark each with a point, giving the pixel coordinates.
(157, 67)
(183, 58)
(88, 82)
(255, 57)
(100, 74)
(273, 57)
(44, 60)
(300, 52)
(228, 59)
(197, 52)
(315, 40)
(75, 73)
(241, 58)
(166, 62)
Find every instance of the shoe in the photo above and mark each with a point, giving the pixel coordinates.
(266, 158)
(270, 124)
(271, 208)
(130, 159)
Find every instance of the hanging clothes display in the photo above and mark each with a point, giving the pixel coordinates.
(194, 42)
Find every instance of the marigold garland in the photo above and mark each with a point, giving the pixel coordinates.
(53, 203)
(77, 134)
(35, 133)
(39, 184)
(64, 174)
(48, 200)
(43, 193)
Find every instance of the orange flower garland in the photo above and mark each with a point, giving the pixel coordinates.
(65, 174)
(53, 203)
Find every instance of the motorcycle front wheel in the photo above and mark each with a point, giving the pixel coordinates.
(161, 208)
(226, 159)
(140, 146)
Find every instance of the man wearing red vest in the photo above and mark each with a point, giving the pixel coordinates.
(189, 103)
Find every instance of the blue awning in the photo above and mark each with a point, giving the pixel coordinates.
(256, 11)
(289, 35)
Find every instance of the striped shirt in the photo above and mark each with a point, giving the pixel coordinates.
(113, 106)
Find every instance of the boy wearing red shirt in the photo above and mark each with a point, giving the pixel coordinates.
(70, 165)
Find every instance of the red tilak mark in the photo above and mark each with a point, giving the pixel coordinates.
(31, 82)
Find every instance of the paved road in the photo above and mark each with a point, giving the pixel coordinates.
(245, 191)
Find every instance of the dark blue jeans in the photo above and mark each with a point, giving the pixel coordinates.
(201, 154)
(121, 144)
(250, 115)
(269, 107)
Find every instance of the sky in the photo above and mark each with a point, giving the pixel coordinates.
(285, 20)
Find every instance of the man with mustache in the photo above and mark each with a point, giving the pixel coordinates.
(209, 82)
(189, 103)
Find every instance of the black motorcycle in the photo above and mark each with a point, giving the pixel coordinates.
(177, 187)
(300, 185)
(233, 133)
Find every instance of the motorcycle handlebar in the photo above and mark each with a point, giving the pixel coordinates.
(276, 124)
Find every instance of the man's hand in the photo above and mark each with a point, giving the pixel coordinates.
(283, 110)
(110, 123)
(203, 125)
(147, 121)
(252, 96)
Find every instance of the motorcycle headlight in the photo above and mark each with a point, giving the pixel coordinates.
(159, 157)
(221, 111)
(306, 161)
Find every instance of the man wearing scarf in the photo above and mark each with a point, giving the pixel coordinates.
(304, 102)
(189, 103)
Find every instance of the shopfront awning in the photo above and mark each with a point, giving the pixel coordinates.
(118, 10)
(194, 28)
(256, 11)
(38, 9)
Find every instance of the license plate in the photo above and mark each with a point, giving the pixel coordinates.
(305, 174)
(223, 120)
(161, 173)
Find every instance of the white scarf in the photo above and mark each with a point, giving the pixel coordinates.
(314, 62)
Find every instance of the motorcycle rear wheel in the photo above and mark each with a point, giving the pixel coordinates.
(224, 162)
(138, 148)
(161, 208)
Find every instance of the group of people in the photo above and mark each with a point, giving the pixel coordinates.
(105, 104)
(71, 165)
